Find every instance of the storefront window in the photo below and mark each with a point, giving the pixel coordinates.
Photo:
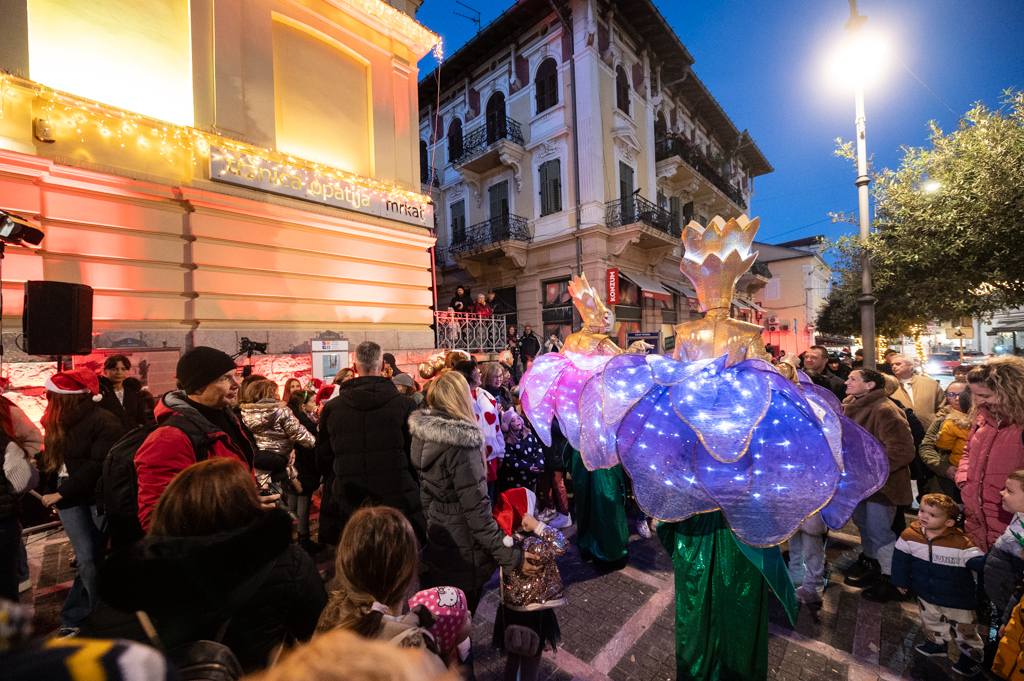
(557, 308)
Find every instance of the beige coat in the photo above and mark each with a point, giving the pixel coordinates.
(929, 398)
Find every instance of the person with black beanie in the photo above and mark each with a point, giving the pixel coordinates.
(200, 410)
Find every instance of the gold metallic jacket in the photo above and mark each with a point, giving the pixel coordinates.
(544, 589)
(275, 427)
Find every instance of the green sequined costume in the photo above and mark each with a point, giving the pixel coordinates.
(722, 590)
(599, 498)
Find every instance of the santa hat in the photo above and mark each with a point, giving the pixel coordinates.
(76, 382)
(326, 394)
(512, 505)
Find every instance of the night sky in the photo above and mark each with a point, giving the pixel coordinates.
(766, 63)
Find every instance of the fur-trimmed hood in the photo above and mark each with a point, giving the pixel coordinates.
(438, 431)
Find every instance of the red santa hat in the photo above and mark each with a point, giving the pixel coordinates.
(512, 505)
(326, 394)
(75, 382)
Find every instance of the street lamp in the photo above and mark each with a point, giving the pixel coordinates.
(859, 63)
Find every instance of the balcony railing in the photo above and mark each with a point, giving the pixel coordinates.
(667, 147)
(501, 228)
(429, 176)
(497, 127)
(635, 208)
(471, 332)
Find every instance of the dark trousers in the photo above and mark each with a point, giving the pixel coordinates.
(10, 551)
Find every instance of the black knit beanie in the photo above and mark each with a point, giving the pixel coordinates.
(200, 367)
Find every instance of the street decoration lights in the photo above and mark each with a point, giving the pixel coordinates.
(859, 62)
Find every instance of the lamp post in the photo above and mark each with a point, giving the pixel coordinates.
(867, 298)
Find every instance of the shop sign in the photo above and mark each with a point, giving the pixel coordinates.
(613, 286)
(300, 183)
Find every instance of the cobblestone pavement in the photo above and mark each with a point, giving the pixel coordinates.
(619, 625)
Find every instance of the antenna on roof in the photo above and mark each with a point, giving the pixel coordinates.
(475, 19)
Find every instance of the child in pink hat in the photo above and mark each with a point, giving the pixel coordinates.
(452, 620)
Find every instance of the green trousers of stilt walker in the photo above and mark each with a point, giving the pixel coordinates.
(599, 500)
(722, 590)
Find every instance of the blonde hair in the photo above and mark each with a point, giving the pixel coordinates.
(341, 655)
(1004, 376)
(449, 392)
(260, 390)
(1016, 475)
(489, 370)
(892, 384)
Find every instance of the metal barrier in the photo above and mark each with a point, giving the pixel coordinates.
(470, 332)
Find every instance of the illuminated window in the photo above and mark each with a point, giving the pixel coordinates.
(327, 124)
(132, 55)
(557, 309)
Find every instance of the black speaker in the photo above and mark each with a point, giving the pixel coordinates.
(57, 319)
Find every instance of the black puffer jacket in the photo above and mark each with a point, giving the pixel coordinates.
(90, 433)
(305, 459)
(132, 413)
(464, 542)
(364, 437)
(189, 586)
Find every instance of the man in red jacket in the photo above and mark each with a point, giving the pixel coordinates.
(207, 389)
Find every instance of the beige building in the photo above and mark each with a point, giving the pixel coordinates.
(796, 293)
(220, 169)
(497, 153)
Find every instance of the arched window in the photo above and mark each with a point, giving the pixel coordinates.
(621, 89)
(454, 140)
(546, 84)
(424, 163)
(497, 126)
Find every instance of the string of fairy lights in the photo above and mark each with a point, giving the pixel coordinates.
(70, 116)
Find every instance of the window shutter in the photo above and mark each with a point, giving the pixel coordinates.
(555, 185)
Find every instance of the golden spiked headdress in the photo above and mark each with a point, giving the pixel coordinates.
(716, 257)
(588, 302)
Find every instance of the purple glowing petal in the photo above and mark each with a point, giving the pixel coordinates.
(867, 469)
(597, 438)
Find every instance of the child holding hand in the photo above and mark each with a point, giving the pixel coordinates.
(526, 620)
(931, 557)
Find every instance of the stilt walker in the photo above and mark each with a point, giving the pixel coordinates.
(725, 451)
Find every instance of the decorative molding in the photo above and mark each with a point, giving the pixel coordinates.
(511, 155)
(548, 148)
(655, 256)
(516, 251)
(456, 191)
(618, 244)
(472, 180)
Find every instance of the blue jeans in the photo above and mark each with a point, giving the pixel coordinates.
(876, 536)
(84, 529)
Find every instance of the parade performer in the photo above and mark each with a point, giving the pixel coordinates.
(730, 455)
(552, 390)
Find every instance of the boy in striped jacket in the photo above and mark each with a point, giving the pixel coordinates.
(931, 558)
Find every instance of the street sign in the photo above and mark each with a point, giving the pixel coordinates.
(612, 277)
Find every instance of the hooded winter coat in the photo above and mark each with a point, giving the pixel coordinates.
(90, 433)
(993, 451)
(877, 414)
(364, 437)
(168, 451)
(189, 586)
(464, 542)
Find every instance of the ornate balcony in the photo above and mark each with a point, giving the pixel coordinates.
(499, 142)
(504, 236)
(470, 332)
(636, 221)
(428, 176)
(678, 160)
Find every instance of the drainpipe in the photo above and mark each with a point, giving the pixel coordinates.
(567, 27)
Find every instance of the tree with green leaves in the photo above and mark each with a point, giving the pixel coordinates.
(948, 235)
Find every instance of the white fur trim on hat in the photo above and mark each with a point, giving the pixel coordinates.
(508, 541)
(52, 387)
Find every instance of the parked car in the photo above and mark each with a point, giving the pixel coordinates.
(941, 363)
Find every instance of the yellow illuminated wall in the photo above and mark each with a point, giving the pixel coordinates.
(322, 98)
(134, 54)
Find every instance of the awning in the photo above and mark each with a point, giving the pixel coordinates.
(648, 287)
(740, 304)
(684, 291)
(757, 307)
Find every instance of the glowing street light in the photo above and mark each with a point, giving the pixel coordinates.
(860, 62)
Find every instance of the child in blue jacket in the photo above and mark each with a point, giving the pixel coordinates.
(931, 558)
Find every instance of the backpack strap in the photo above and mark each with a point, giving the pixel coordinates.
(200, 439)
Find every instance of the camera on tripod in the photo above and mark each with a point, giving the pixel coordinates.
(249, 347)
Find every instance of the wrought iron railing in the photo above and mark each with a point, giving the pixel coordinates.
(635, 208)
(667, 147)
(501, 228)
(429, 176)
(497, 127)
(471, 332)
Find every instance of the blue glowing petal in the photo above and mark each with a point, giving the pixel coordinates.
(668, 371)
(624, 381)
(831, 427)
(867, 469)
(791, 475)
(597, 438)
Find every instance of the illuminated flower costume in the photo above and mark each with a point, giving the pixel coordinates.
(551, 389)
(729, 453)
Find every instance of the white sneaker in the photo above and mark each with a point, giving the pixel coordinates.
(560, 522)
(547, 515)
(643, 529)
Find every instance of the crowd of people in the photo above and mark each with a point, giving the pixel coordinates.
(426, 487)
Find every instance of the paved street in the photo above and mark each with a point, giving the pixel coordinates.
(619, 625)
